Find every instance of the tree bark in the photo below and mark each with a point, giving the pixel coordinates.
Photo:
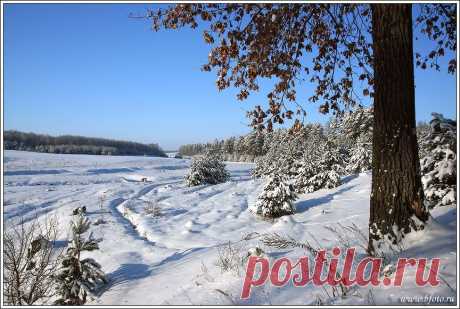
(397, 193)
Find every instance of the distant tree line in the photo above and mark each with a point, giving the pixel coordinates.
(243, 148)
(70, 144)
(249, 147)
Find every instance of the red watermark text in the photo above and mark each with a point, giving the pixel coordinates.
(323, 270)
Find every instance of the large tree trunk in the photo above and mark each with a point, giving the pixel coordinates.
(397, 193)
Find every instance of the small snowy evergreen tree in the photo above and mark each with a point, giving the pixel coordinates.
(260, 167)
(306, 170)
(361, 156)
(285, 149)
(358, 123)
(439, 165)
(276, 199)
(423, 130)
(274, 147)
(353, 131)
(207, 169)
(78, 277)
(320, 168)
(285, 162)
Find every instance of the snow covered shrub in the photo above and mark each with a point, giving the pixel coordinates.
(79, 210)
(230, 258)
(29, 262)
(276, 199)
(78, 277)
(320, 168)
(439, 165)
(207, 169)
(152, 209)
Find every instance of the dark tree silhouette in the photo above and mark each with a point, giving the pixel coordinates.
(348, 52)
(70, 144)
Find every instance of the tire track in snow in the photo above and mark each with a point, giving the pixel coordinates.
(128, 225)
(28, 212)
(149, 188)
(118, 209)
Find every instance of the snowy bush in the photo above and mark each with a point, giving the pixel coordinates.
(78, 277)
(207, 169)
(230, 258)
(439, 165)
(152, 209)
(276, 199)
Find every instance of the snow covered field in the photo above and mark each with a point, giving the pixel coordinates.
(162, 240)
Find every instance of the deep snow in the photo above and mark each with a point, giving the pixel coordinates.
(172, 258)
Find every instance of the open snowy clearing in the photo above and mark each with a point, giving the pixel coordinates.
(170, 255)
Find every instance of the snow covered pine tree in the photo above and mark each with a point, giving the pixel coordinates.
(439, 166)
(276, 199)
(78, 277)
(356, 127)
(320, 168)
(208, 168)
(361, 156)
(353, 132)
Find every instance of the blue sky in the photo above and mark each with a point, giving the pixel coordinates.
(90, 70)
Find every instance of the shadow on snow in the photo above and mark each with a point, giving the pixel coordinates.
(314, 202)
